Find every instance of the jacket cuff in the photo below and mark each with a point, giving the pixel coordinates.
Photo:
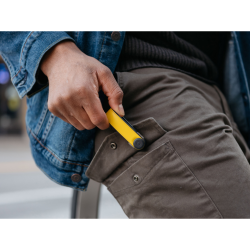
(34, 48)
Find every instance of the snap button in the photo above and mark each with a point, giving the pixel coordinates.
(76, 178)
(136, 178)
(115, 35)
(139, 143)
(113, 145)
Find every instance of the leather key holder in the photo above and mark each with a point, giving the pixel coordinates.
(125, 129)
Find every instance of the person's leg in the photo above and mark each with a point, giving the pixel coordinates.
(198, 168)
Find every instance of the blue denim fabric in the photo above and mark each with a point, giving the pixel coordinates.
(232, 88)
(58, 149)
(242, 54)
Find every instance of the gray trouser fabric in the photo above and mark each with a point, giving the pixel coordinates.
(196, 162)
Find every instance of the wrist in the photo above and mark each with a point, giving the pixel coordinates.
(54, 54)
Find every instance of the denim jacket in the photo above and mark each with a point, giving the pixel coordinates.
(62, 152)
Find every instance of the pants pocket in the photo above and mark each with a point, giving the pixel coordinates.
(153, 182)
(160, 185)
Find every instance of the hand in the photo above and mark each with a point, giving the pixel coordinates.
(74, 82)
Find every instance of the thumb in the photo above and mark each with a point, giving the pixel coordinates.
(112, 90)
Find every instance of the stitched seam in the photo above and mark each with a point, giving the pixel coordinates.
(143, 180)
(64, 184)
(221, 100)
(22, 55)
(159, 128)
(42, 54)
(70, 144)
(93, 164)
(24, 46)
(136, 163)
(82, 165)
(102, 46)
(48, 127)
(223, 106)
(199, 184)
(41, 119)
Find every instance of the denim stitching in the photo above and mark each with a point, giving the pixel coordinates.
(82, 165)
(71, 143)
(42, 54)
(21, 55)
(102, 46)
(42, 117)
(79, 188)
(48, 127)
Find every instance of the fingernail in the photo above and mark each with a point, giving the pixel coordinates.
(121, 110)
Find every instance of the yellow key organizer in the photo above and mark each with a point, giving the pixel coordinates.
(123, 127)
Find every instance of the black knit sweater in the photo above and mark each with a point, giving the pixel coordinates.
(195, 53)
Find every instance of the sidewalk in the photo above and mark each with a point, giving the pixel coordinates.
(15, 155)
(25, 192)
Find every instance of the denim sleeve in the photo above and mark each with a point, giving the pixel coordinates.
(22, 53)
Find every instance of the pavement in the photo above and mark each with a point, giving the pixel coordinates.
(25, 192)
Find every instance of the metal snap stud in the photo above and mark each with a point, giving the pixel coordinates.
(76, 178)
(136, 178)
(116, 35)
(113, 145)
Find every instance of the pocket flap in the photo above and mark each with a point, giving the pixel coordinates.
(107, 159)
(136, 173)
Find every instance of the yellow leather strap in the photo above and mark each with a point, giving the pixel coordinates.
(122, 127)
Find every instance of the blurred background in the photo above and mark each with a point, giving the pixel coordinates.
(25, 192)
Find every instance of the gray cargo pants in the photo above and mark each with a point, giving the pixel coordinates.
(196, 162)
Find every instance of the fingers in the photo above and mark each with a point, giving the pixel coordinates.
(94, 111)
(74, 122)
(66, 115)
(83, 118)
(73, 93)
(112, 90)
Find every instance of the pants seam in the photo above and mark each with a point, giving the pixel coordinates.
(223, 106)
(200, 185)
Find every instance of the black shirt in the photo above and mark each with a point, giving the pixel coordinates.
(198, 54)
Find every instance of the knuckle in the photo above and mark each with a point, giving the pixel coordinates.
(98, 120)
(82, 92)
(104, 71)
(119, 93)
(65, 97)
